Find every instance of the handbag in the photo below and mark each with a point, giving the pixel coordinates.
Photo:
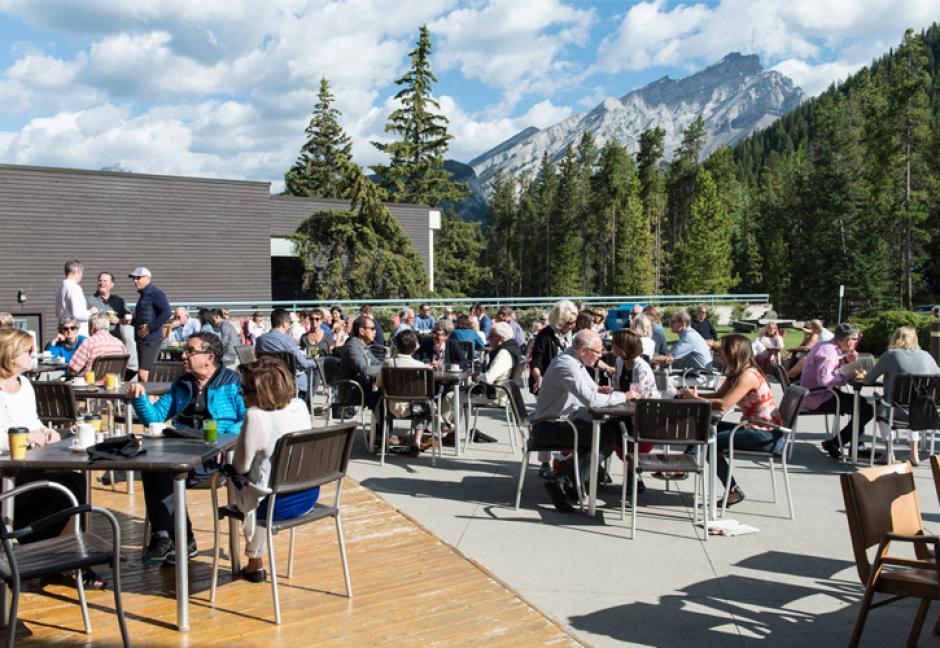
(923, 414)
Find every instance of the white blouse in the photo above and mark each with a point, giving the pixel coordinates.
(18, 410)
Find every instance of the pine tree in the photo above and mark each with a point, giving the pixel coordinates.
(502, 232)
(583, 217)
(318, 170)
(458, 251)
(565, 235)
(415, 172)
(681, 181)
(702, 261)
(653, 197)
(538, 202)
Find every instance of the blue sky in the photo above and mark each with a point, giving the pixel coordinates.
(224, 88)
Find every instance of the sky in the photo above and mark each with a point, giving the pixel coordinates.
(225, 88)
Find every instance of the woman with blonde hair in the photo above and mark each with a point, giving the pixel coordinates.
(904, 356)
(771, 343)
(272, 411)
(745, 386)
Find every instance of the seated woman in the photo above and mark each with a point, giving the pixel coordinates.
(268, 389)
(18, 409)
(746, 386)
(406, 343)
(466, 333)
(598, 326)
(772, 343)
(633, 375)
(643, 327)
(904, 356)
(66, 343)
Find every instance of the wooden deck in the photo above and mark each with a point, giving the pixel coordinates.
(409, 589)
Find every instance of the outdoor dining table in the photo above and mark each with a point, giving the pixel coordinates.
(600, 414)
(453, 379)
(164, 455)
(47, 367)
(91, 392)
(857, 386)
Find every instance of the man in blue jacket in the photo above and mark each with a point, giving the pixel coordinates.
(151, 313)
(207, 391)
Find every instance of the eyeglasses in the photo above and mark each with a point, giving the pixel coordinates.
(315, 319)
(191, 351)
(69, 328)
(594, 351)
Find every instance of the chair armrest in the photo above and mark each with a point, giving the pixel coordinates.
(917, 539)
(25, 488)
(754, 422)
(350, 381)
(47, 521)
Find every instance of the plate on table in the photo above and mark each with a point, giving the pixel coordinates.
(78, 449)
(150, 435)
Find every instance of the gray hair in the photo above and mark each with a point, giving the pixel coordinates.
(583, 339)
(444, 325)
(642, 326)
(72, 266)
(101, 322)
(845, 330)
(503, 330)
(561, 312)
(681, 315)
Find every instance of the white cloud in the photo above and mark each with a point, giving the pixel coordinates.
(813, 79)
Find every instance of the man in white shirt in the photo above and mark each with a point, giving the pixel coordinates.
(567, 391)
(70, 300)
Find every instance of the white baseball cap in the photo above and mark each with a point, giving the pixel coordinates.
(140, 272)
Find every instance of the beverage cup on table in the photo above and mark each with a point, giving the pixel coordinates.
(112, 382)
(156, 429)
(93, 420)
(90, 377)
(85, 435)
(210, 430)
(19, 440)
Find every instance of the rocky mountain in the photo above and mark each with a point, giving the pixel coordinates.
(735, 97)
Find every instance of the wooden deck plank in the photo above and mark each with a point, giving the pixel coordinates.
(409, 588)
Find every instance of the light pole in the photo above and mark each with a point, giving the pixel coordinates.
(841, 295)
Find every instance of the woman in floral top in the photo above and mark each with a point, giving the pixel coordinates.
(745, 386)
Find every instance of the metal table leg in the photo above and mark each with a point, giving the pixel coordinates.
(595, 459)
(129, 428)
(855, 399)
(182, 555)
(456, 411)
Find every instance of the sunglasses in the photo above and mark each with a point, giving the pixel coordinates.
(315, 319)
(69, 328)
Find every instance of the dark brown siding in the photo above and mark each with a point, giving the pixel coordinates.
(203, 239)
(288, 212)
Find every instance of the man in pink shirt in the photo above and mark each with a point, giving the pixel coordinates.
(821, 371)
(100, 343)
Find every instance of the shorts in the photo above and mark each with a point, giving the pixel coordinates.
(147, 352)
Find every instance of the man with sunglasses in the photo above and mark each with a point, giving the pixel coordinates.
(207, 391)
(356, 362)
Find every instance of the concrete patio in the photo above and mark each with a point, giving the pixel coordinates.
(792, 583)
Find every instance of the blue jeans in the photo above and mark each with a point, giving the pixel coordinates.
(745, 439)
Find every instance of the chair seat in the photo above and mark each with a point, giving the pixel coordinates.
(57, 555)
(661, 462)
(318, 512)
(909, 582)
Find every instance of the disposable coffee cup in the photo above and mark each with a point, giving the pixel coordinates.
(19, 440)
(93, 420)
(85, 434)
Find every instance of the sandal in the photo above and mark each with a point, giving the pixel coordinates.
(90, 580)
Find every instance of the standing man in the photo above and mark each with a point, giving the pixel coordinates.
(152, 312)
(70, 300)
(230, 337)
(505, 314)
(105, 301)
(485, 322)
(425, 321)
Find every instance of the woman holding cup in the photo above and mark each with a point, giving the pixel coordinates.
(18, 414)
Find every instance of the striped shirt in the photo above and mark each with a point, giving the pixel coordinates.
(759, 404)
(102, 343)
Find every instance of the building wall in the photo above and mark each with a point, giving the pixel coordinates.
(203, 239)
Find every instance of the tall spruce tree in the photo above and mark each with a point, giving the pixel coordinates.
(502, 232)
(415, 173)
(653, 197)
(681, 180)
(458, 250)
(702, 261)
(318, 171)
(565, 235)
(582, 215)
(544, 193)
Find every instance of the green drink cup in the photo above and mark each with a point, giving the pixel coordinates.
(210, 431)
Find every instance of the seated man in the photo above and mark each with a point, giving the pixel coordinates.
(425, 321)
(207, 391)
(441, 351)
(405, 344)
(691, 346)
(279, 339)
(66, 343)
(99, 343)
(356, 362)
(406, 323)
(182, 326)
(567, 391)
(703, 326)
(821, 370)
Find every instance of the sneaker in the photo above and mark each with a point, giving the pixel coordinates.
(603, 477)
(558, 497)
(191, 552)
(832, 447)
(157, 550)
(545, 471)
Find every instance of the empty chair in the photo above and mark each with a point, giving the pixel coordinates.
(110, 364)
(165, 371)
(882, 508)
(413, 385)
(529, 445)
(72, 552)
(55, 403)
(671, 422)
(789, 413)
(301, 461)
(245, 354)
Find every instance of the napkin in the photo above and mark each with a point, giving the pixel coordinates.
(122, 447)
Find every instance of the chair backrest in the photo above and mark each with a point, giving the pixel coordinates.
(245, 354)
(408, 383)
(790, 405)
(286, 357)
(907, 385)
(166, 371)
(517, 369)
(107, 364)
(935, 469)
(310, 458)
(467, 347)
(672, 421)
(55, 402)
(516, 402)
(781, 374)
(877, 501)
(328, 368)
(380, 352)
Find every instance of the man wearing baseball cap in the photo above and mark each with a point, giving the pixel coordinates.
(152, 312)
